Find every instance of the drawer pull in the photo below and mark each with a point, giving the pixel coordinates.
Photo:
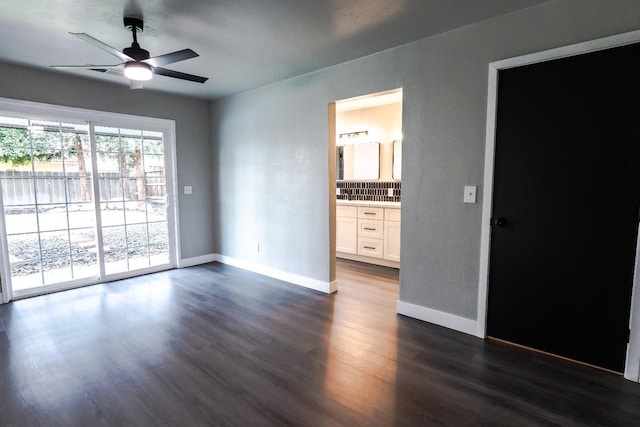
(370, 229)
(369, 247)
(369, 213)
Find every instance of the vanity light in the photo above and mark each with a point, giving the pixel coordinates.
(138, 71)
(352, 138)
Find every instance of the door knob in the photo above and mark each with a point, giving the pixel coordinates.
(500, 222)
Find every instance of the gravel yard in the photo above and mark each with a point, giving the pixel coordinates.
(58, 250)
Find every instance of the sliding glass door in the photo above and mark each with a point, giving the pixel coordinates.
(82, 203)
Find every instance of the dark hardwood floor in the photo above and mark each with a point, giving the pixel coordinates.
(215, 345)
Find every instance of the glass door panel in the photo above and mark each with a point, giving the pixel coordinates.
(48, 209)
(133, 209)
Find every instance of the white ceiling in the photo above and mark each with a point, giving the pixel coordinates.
(243, 44)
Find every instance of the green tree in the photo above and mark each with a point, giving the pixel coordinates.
(17, 148)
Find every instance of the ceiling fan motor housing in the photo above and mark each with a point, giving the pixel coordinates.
(135, 51)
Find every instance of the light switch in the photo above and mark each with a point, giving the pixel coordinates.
(188, 189)
(470, 193)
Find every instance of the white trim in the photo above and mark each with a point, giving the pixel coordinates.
(333, 287)
(632, 367)
(296, 279)
(198, 260)
(5, 263)
(96, 201)
(441, 318)
(487, 201)
(171, 185)
(102, 118)
(571, 50)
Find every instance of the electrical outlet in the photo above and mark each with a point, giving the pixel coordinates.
(188, 189)
(390, 192)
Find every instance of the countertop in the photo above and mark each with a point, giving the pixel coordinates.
(368, 203)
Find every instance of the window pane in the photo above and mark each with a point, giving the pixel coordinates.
(81, 216)
(52, 218)
(135, 212)
(158, 233)
(17, 188)
(20, 220)
(112, 213)
(137, 235)
(114, 239)
(153, 146)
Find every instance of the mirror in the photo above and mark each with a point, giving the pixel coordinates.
(358, 162)
(397, 159)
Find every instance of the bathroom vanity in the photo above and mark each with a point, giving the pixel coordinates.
(368, 231)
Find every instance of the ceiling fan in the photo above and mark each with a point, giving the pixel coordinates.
(137, 65)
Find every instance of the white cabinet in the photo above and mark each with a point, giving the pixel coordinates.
(369, 234)
(392, 234)
(347, 229)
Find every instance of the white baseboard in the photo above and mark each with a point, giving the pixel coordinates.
(307, 282)
(448, 320)
(203, 259)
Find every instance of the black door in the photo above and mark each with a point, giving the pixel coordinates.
(565, 205)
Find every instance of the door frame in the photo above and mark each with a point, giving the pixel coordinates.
(100, 118)
(632, 363)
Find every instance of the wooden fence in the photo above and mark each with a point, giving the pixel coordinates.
(21, 187)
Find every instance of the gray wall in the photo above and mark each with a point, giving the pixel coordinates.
(271, 146)
(193, 132)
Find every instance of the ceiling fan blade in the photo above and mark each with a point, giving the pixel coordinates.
(100, 45)
(179, 75)
(87, 66)
(110, 71)
(170, 58)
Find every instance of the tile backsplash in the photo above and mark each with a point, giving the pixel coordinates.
(374, 191)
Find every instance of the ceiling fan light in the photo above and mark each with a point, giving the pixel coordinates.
(138, 71)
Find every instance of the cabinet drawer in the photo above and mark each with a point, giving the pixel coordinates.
(370, 247)
(370, 228)
(348, 211)
(391, 214)
(370, 213)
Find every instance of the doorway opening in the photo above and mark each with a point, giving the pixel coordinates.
(365, 182)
